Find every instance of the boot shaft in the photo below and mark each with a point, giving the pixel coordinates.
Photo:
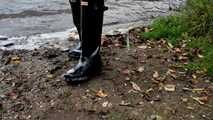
(88, 18)
(75, 7)
(91, 25)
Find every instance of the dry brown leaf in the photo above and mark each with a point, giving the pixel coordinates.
(178, 50)
(106, 104)
(194, 76)
(141, 69)
(183, 58)
(156, 74)
(49, 76)
(127, 78)
(142, 47)
(126, 72)
(172, 73)
(73, 36)
(169, 87)
(170, 45)
(123, 103)
(117, 45)
(135, 86)
(193, 90)
(190, 108)
(13, 95)
(146, 29)
(200, 56)
(101, 94)
(184, 99)
(15, 60)
(201, 100)
(198, 89)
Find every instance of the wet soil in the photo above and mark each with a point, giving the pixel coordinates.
(143, 82)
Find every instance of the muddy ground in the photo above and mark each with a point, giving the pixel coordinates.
(145, 82)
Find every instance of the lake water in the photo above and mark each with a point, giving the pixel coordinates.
(26, 18)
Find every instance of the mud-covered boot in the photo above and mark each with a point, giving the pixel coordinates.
(91, 28)
(75, 7)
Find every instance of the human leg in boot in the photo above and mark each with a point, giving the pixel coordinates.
(75, 6)
(90, 33)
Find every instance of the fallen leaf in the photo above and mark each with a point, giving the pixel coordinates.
(123, 103)
(156, 74)
(156, 117)
(73, 36)
(106, 104)
(105, 41)
(169, 87)
(49, 76)
(13, 95)
(149, 90)
(190, 108)
(182, 58)
(184, 99)
(141, 103)
(15, 60)
(126, 72)
(127, 78)
(193, 90)
(135, 86)
(201, 100)
(194, 81)
(146, 29)
(28, 117)
(194, 76)
(170, 45)
(178, 50)
(142, 47)
(200, 56)
(172, 73)
(117, 59)
(101, 94)
(141, 69)
(117, 45)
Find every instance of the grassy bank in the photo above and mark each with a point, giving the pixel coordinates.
(194, 25)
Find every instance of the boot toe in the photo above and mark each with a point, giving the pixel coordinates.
(75, 79)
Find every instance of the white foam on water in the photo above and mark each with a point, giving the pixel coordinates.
(60, 39)
(55, 40)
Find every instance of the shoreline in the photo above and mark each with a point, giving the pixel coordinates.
(59, 40)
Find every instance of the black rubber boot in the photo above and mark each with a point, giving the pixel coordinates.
(85, 69)
(75, 53)
(75, 6)
(91, 28)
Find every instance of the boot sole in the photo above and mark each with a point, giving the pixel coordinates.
(78, 80)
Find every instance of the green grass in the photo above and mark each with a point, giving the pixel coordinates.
(206, 46)
(170, 28)
(194, 23)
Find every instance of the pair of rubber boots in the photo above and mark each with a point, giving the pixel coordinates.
(88, 19)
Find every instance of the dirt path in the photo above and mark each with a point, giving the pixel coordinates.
(143, 83)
